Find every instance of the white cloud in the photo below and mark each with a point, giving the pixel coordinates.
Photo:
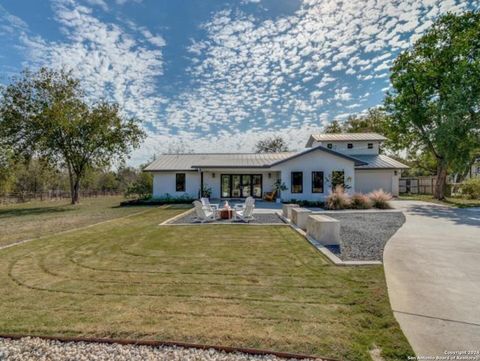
(99, 3)
(112, 62)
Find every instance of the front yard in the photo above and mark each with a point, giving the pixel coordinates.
(39, 218)
(235, 285)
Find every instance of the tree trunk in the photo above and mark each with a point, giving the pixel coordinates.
(441, 183)
(76, 192)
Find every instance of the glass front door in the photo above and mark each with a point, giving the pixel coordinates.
(236, 186)
(241, 185)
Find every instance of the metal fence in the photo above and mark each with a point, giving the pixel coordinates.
(417, 185)
(51, 195)
(424, 185)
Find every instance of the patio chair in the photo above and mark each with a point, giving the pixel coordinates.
(242, 206)
(246, 214)
(269, 196)
(206, 203)
(203, 213)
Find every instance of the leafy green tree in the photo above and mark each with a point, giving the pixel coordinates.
(271, 145)
(371, 122)
(334, 127)
(435, 102)
(45, 113)
(142, 187)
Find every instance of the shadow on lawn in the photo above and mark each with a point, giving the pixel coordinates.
(19, 212)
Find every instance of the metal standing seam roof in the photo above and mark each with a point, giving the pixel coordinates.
(175, 162)
(325, 137)
(379, 161)
(192, 161)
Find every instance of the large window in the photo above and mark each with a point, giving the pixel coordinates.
(241, 185)
(297, 182)
(317, 182)
(180, 182)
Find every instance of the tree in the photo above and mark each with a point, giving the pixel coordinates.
(435, 101)
(371, 122)
(271, 145)
(44, 113)
(334, 127)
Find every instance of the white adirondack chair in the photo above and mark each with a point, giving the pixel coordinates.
(204, 214)
(245, 214)
(206, 203)
(242, 206)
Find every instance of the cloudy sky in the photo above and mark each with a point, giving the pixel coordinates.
(218, 75)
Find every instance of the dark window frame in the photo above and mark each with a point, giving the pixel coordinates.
(370, 145)
(292, 185)
(322, 180)
(349, 145)
(329, 145)
(182, 184)
(241, 175)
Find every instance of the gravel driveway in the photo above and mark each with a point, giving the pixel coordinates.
(365, 234)
(30, 349)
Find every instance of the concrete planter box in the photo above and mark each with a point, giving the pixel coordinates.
(324, 229)
(287, 210)
(300, 217)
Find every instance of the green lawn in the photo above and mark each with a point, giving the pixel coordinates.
(449, 201)
(236, 285)
(34, 219)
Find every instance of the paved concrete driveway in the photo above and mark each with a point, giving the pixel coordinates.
(432, 266)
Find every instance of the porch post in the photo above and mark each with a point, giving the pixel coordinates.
(201, 184)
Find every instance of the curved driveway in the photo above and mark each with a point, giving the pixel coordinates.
(432, 266)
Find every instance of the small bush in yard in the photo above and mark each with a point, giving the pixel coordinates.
(471, 188)
(380, 199)
(360, 201)
(338, 199)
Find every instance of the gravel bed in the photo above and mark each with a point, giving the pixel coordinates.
(34, 349)
(365, 234)
(260, 218)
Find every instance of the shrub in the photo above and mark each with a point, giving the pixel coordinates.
(338, 199)
(360, 201)
(380, 199)
(167, 199)
(304, 203)
(471, 188)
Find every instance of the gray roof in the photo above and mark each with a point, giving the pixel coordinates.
(379, 162)
(325, 137)
(193, 161)
(166, 162)
(175, 162)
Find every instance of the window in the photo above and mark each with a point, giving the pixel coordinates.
(329, 145)
(317, 182)
(297, 182)
(349, 145)
(370, 145)
(180, 182)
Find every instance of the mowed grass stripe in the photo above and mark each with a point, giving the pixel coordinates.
(262, 287)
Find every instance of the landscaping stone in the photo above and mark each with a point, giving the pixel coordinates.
(30, 349)
(300, 217)
(287, 210)
(324, 229)
(364, 234)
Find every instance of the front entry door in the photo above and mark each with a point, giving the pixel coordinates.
(241, 185)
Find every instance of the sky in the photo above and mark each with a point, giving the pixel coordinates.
(217, 76)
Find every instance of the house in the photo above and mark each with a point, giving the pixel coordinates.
(308, 174)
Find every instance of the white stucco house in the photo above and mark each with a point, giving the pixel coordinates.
(307, 174)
